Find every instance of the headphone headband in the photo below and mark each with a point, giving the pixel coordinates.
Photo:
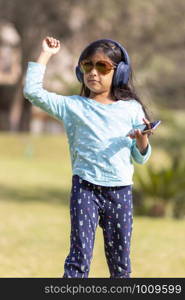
(123, 50)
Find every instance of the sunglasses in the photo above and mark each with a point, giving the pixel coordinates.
(102, 66)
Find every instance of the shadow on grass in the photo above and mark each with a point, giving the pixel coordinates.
(40, 194)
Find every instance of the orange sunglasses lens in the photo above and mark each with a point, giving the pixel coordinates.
(102, 67)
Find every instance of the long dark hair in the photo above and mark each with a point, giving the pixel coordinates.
(126, 91)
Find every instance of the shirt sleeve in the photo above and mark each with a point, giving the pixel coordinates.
(135, 153)
(33, 90)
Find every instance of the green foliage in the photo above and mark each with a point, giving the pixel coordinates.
(165, 186)
(159, 188)
(166, 183)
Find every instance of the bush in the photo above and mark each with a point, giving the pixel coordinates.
(162, 187)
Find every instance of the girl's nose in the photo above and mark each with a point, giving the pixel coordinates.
(93, 71)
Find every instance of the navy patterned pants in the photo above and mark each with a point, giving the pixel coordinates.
(111, 207)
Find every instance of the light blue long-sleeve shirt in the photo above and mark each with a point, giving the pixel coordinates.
(100, 151)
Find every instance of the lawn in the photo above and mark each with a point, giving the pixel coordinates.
(35, 181)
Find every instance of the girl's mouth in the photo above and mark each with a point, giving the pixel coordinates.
(92, 80)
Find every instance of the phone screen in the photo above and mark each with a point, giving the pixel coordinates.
(144, 127)
(153, 125)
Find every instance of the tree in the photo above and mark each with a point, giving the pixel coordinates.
(33, 20)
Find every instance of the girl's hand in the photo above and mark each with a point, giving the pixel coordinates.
(50, 45)
(141, 139)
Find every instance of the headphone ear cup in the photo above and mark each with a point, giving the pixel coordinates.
(79, 74)
(126, 74)
(121, 75)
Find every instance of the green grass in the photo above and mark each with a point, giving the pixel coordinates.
(35, 181)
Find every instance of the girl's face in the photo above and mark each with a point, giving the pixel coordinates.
(94, 80)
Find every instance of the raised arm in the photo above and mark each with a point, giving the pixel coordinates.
(52, 103)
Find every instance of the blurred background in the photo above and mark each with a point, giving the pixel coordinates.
(35, 170)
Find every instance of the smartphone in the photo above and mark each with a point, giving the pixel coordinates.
(146, 128)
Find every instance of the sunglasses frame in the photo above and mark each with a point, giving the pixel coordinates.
(94, 65)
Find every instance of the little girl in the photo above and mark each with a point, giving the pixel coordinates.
(97, 124)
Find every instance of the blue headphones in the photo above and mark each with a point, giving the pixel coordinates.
(122, 72)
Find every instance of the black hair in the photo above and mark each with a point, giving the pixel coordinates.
(111, 50)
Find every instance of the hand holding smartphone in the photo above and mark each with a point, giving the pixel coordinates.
(145, 128)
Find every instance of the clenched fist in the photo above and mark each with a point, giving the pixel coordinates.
(51, 45)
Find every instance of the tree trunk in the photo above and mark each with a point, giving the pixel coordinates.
(20, 113)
